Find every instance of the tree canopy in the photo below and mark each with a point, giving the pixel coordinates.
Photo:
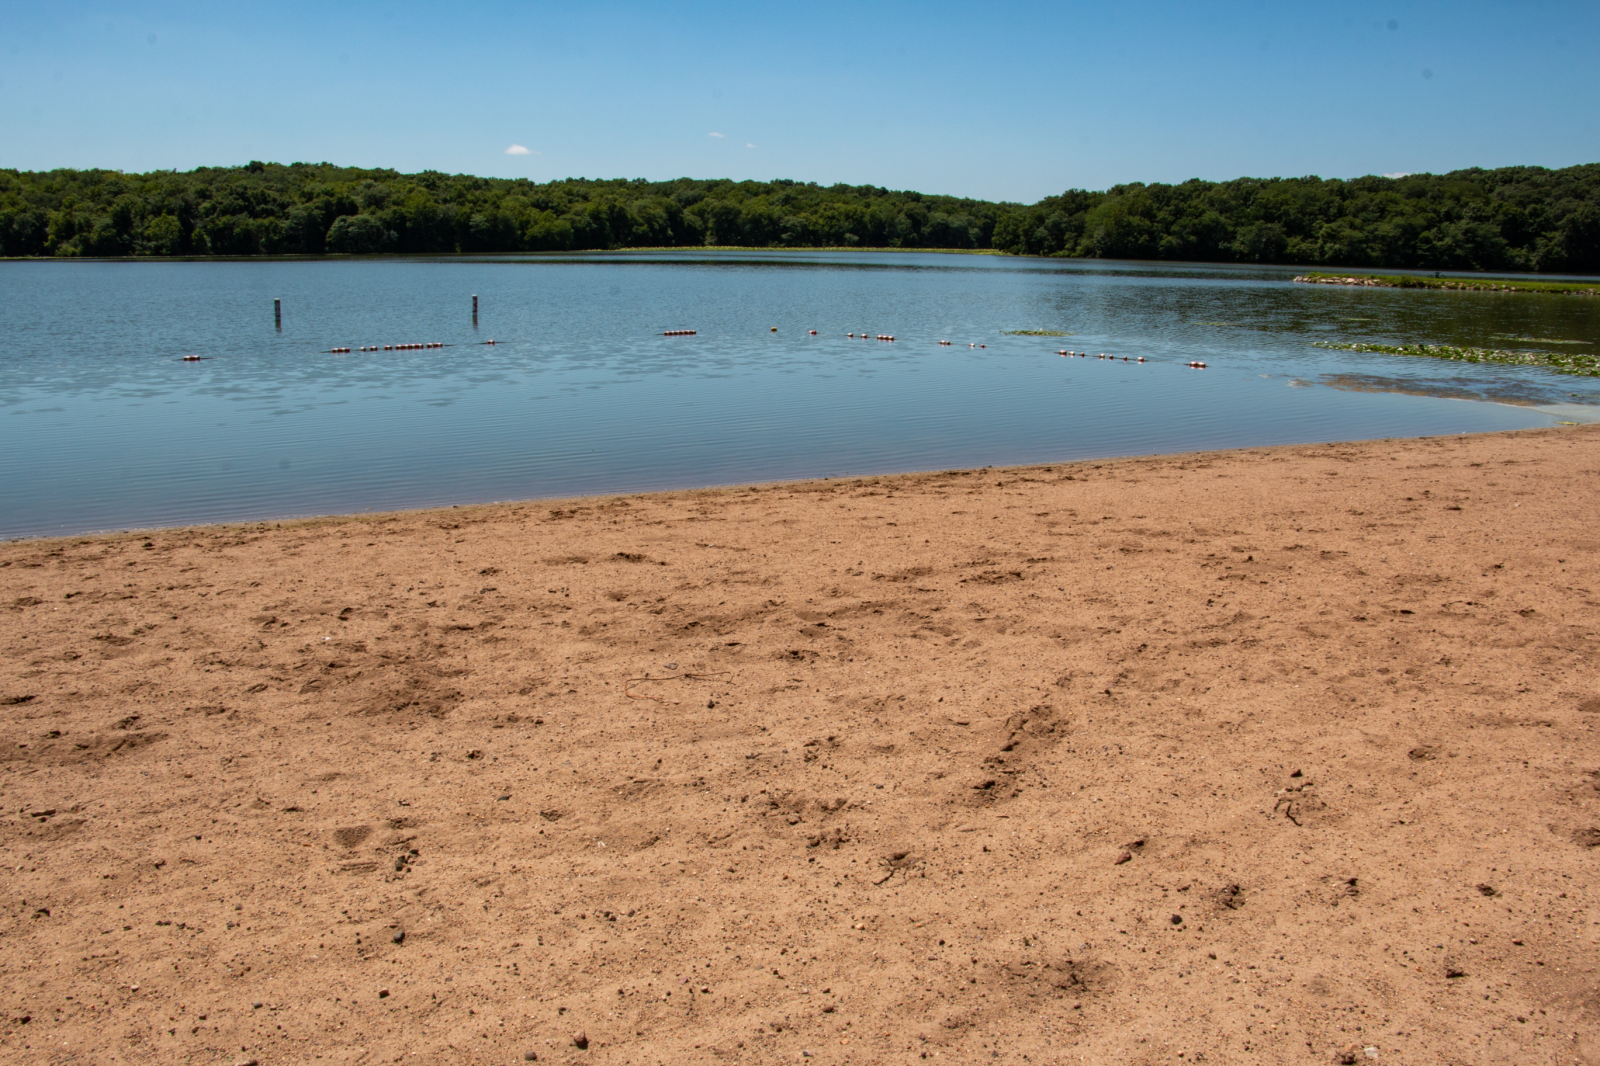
(1513, 218)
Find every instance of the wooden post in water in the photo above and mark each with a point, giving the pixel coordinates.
(474, 310)
(277, 313)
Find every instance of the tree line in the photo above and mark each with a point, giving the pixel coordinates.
(1512, 218)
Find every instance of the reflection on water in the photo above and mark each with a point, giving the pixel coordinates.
(103, 426)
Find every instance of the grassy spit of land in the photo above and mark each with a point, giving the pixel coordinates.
(1413, 281)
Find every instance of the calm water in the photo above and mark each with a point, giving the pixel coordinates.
(102, 426)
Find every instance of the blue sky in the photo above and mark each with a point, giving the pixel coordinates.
(1010, 101)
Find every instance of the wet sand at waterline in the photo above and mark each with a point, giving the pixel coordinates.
(1268, 756)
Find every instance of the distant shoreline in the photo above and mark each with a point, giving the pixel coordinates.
(1391, 281)
(313, 208)
(320, 257)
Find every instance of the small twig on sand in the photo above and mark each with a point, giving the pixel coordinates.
(670, 677)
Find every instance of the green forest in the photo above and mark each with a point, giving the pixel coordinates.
(1513, 218)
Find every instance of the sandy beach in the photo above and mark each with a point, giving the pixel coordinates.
(1280, 755)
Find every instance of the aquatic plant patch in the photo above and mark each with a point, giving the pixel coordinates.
(1413, 281)
(1560, 362)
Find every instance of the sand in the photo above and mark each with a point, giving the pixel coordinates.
(1283, 755)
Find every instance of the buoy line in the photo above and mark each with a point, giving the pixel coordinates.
(392, 347)
(383, 348)
(1067, 354)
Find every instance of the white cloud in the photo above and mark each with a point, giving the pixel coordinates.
(1399, 174)
(517, 149)
(749, 145)
(718, 135)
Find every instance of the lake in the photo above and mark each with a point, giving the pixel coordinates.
(104, 426)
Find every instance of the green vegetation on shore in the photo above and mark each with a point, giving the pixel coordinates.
(1560, 362)
(1413, 281)
(1513, 218)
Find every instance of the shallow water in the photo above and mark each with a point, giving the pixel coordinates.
(103, 426)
